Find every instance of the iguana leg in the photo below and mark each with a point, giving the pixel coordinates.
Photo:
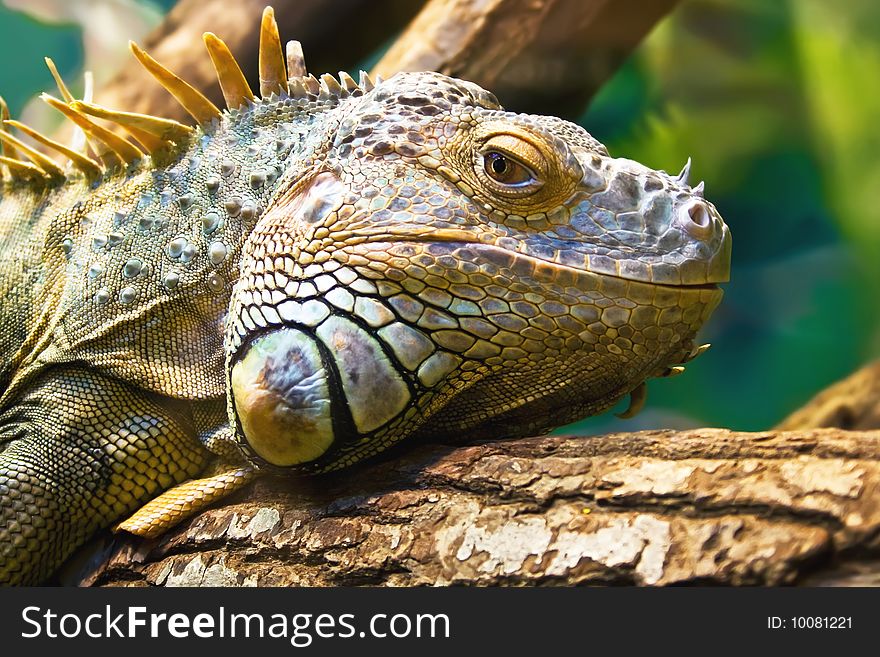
(227, 474)
(79, 451)
(185, 500)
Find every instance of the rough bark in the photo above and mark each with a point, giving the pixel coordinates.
(651, 508)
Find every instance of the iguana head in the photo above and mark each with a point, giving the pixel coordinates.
(441, 267)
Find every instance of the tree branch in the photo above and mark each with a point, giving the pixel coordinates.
(545, 56)
(536, 55)
(853, 403)
(335, 35)
(654, 507)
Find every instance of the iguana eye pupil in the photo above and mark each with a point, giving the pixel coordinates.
(506, 170)
(498, 163)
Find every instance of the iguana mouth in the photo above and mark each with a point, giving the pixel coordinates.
(465, 240)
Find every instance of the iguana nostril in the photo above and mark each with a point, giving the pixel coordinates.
(699, 215)
(696, 219)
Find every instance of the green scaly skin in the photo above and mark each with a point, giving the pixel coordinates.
(310, 280)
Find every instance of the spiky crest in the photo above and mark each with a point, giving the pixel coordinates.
(282, 72)
(273, 76)
(85, 164)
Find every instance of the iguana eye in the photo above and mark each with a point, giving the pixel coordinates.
(510, 166)
(505, 170)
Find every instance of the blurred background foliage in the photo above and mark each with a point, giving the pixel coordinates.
(776, 102)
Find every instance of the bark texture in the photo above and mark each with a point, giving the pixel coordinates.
(648, 508)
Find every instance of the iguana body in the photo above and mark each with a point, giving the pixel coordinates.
(311, 277)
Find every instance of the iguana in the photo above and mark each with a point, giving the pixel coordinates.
(303, 279)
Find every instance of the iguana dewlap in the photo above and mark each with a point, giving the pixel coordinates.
(300, 281)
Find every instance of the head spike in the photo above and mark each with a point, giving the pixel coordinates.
(85, 164)
(330, 87)
(164, 129)
(348, 82)
(23, 169)
(44, 162)
(296, 61)
(296, 89)
(88, 87)
(126, 152)
(6, 149)
(193, 101)
(65, 92)
(149, 143)
(685, 173)
(310, 82)
(365, 82)
(273, 75)
(699, 190)
(78, 141)
(235, 88)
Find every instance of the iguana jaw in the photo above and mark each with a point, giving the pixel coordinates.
(325, 381)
